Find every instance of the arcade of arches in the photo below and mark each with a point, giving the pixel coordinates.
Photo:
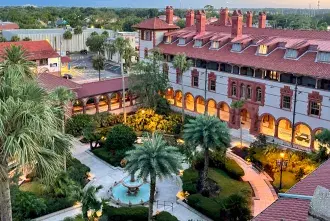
(281, 128)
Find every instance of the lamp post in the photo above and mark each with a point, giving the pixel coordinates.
(282, 164)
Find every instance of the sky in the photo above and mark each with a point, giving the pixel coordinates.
(175, 3)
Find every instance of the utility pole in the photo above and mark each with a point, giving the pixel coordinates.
(205, 90)
(294, 111)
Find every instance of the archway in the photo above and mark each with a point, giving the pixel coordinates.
(245, 119)
(178, 98)
(115, 101)
(316, 142)
(212, 107)
(302, 135)
(169, 95)
(90, 106)
(103, 103)
(200, 105)
(77, 106)
(224, 112)
(284, 130)
(267, 125)
(189, 102)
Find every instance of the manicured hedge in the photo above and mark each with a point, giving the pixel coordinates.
(165, 216)
(120, 137)
(205, 205)
(189, 181)
(76, 124)
(126, 213)
(112, 158)
(77, 171)
(233, 169)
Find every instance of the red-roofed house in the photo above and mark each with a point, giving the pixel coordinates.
(8, 26)
(46, 58)
(283, 75)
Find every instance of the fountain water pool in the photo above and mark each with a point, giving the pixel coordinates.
(119, 191)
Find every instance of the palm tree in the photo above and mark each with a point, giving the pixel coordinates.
(182, 65)
(153, 159)
(61, 96)
(28, 129)
(15, 57)
(120, 46)
(237, 105)
(209, 133)
(99, 63)
(90, 201)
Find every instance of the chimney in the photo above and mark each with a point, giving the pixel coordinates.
(190, 18)
(262, 19)
(223, 16)
(237, 24)
(249, 19)
(200, 21)
(169, 15)
(319, 209)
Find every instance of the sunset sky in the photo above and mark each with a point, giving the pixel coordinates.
(175, 3)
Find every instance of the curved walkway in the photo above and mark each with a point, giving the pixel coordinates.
(264, 192)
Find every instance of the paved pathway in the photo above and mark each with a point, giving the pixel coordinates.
(264, 193)
(105, 175)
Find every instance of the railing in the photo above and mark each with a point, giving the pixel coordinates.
(165, 204)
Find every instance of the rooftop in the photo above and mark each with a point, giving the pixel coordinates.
(8, 25)
(155, 24)
(50, 82)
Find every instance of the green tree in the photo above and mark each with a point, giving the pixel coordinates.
(148, 79)
(2, 39)
(209, 133)
(95, 43)
(210, 11)
(61, 96)
(181, 23)
(78, 30)
(90, 201)
(235, 207)
(27, 39)
(15, 58)
(15, 38)
(120, 137)
(182, 64)
(98, 63)
(153, 159)
(105, 34)
(237, 105)
(28, 130)
(67, 35)
(63, 186)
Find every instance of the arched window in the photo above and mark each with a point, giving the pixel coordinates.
(243, 91)
(249, 92)
(233, 89)
(259, 94)
(236, 70)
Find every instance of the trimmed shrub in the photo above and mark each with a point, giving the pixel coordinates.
(233, 169)
(126, 213)
(76, 124)
(205, 205)
(165, 216)
(120, 137)
(235, 207)
(113, 158)
(191, 188)
(78, 30)
(77, 171)
(67, 35)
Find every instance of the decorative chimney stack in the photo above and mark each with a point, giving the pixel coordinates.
(262, 19)
(223, 16)
(190, 18)
(249, 19)
(200, 21)
(237, 24)
(169, 15)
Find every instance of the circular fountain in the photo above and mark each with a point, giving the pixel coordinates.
(130, 191)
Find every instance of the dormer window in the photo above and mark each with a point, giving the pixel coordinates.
(182, 41)
(215, 45)
(198, 43)
(147, 36)
(168, 39)
(263, 49)
(236, 47)
(291, 53)
(323, 56)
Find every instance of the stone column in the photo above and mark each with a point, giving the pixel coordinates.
(84, 102)
(96, 103)
(109, 101)
(276, 130)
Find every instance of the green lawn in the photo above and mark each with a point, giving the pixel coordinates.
(228, 185)
(288, 180)
(34, 187)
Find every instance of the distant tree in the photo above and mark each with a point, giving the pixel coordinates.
(181, 23)
(78, 30)
(67, 35)
(210, 11)
(15, 38)
(94, 33)
(129, 22)
(96, 43)
(26, 39)
(2, 39)
(105, 34)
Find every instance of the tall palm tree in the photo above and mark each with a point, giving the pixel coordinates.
(61, 96)
(120, 46)
(237, 105)
(209, 133)
(90, 201)
(153, 159)
(98, 63)
(28, 126)
(182, 65)
(16, 57)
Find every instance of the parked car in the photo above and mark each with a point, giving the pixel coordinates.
(83, 51)
(67, 76)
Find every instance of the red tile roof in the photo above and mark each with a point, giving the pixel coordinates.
(155, 24)
(100, 87)
(35, 50)
(8, 26)
(65, 59)
(297, 209)
(275, 60)
(50, 82)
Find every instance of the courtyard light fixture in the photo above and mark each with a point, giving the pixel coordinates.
(282, 164)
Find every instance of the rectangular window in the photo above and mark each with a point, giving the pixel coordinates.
(195, 81)
(43, 62)
(53, 65)
(291, 53)
(259, 94)
(237, 47)
(168, 39)
(323, 56)
(212, 85)
(249, 93)
(273, 75)
(198, 43)
(315, 108)
(182, 41)
(215, 45)
(286, 102)
(147, 36)
(263, 49)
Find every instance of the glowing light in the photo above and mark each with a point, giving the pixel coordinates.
(99, 213)
(143, 111)
(282, 155)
